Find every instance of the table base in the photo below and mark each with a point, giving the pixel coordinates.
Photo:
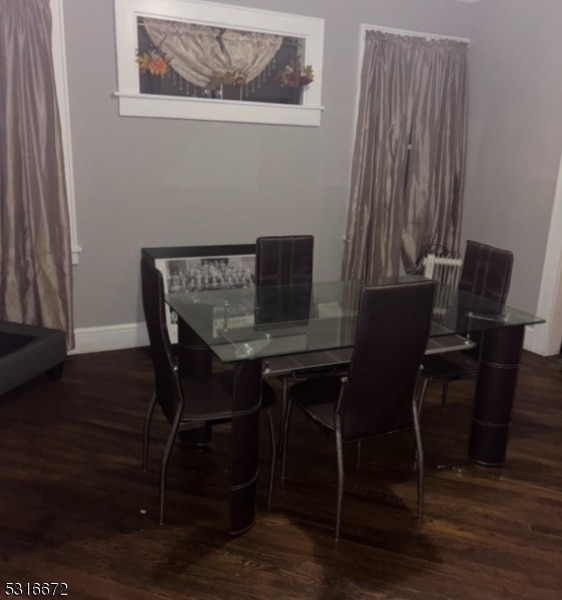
(495, 392)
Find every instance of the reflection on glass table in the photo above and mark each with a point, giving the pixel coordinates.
(279, 320)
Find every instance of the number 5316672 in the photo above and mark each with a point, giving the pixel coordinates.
(36, 589)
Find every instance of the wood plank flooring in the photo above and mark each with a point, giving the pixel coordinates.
(75, 506)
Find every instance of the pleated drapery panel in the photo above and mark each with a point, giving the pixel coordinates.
(35, 251)
(435, 181)
(408, 162)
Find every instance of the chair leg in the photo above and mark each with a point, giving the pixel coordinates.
(421, 398)
(358, 454)
(147, 422)
(165, 458)
(273, 458)
(284, 397)
(285, 436)
(444, 393)
(419, 458)
(339, 450)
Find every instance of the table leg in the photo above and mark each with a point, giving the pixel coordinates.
(195, 359)
(495, 392)
(245, 437)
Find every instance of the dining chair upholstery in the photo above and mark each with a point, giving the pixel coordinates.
(186, 401)
(377, 397)
(283, 261)
(486, 272)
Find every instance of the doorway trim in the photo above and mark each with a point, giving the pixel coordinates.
(548, 337)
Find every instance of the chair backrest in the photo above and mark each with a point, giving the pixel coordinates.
(289, 305)
(284, 260)
(392, 334)
(486, 271)
(165, 377)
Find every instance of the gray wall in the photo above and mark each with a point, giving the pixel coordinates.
(515, 133)
(152, 182)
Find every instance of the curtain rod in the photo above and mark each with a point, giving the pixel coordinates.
(414, 33)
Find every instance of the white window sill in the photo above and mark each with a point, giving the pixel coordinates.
(209, 109)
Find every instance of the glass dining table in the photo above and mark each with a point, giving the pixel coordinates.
(248, 327)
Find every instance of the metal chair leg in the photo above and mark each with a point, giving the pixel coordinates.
(419, 458)
(147, 422)
(285, 436)
(273, 458)
(339, 450)
(165, 458)
(284, 400)
(422, 393)
(418, 403)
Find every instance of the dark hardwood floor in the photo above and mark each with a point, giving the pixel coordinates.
(75, 506)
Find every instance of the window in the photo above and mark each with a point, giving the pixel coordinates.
(218, 62)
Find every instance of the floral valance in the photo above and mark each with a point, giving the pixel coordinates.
(201, 53)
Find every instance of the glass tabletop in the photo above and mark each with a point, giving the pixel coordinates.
(263, 322)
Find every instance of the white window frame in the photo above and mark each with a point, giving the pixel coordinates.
(59, 61)
(133, 103)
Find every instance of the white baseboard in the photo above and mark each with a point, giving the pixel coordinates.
(537, 342)
(110, 337)
(528, 340)
(534, 342)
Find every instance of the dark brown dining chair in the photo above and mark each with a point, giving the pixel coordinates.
(283, 261)
(486, 272)
(185, 401)
(377, 397)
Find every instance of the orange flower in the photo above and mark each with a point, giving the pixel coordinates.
(153, 63)
(296, 74)
(158, 66)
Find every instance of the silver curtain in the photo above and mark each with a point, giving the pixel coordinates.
(35, 253)
(197, 52)
(409, 155)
